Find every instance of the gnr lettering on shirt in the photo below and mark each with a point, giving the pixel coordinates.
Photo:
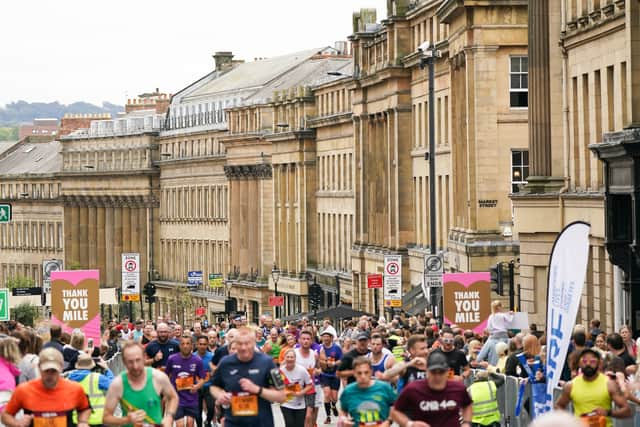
(434, 405)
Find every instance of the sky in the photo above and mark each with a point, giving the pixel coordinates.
(72, 50)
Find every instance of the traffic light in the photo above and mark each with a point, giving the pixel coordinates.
(497, 284)
(149, 289)
(230, 306)
(316, 297)
(149, 299)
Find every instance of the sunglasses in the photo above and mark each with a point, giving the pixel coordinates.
(447, 340)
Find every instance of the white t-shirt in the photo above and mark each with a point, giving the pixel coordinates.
(298, 375)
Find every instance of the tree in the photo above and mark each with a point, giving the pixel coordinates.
(26, 314)
(20, 282)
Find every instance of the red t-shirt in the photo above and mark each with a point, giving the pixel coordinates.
(437, 408)
(50, 407)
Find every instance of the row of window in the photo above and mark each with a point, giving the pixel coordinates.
(197, 203)
(13, 271)
(130, 159)
(185, 255)
(420, 112)
(335, 231)
(334, 102)
(429, 29)
(598, 104)
(23, 190)
(41, 236)
(335, 172)
(191, 148)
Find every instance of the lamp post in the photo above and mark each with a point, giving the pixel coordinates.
(227, 285)
(275, 275)
(429, 56)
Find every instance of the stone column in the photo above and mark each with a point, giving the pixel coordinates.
(126, 228)
(109, 278)
(100, 243)
(93, 237)
(117, 244)
(74, 230)
(84, 237)
(539, 107)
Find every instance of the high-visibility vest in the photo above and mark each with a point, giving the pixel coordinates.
(97, 398)
(485, 403)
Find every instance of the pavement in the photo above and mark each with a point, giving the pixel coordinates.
(279, 422)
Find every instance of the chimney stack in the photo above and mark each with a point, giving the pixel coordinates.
(223, 60)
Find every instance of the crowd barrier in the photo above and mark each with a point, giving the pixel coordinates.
(507, 396)
(115, 364)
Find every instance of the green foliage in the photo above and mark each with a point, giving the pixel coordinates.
(20, 282)
(26, 314)
(24, 112)
(73, 265)
(8, 133)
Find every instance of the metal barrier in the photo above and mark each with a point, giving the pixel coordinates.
(115, 364)
(507, 398)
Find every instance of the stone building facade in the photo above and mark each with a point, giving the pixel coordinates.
(581, 87)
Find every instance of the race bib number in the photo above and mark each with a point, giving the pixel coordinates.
(291, 389)
(593, 420)
(244, 405)
(50, 419)
(185, 383)
(370, 418)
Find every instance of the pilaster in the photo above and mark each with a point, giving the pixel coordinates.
(539, 107)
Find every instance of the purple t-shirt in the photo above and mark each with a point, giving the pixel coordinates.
(184, 373)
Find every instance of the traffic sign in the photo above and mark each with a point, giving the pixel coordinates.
(194, 278)
(4, 305)
(5, 213)
(276, 301)
(215, 280)
(433, 271)
(392, 291)
(374, 281)
(200, 311)
(49, 265)
(130, 277)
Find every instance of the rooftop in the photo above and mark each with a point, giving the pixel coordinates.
(33, 158)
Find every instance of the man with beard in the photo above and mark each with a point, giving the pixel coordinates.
(187, 376)
(140, 391)
(593, 392)
(413, 368)
(434, 401)
(159, 350)
(48, 400)
(458, 363)
(345, 370)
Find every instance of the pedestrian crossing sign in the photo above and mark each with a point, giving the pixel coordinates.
(5, 213)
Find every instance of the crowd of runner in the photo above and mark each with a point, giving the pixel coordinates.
(363, 372)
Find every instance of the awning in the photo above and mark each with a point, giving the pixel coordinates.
(343, 311)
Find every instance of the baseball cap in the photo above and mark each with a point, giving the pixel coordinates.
(85, 362)
(362, 336)
(437, 361)
(51, 358)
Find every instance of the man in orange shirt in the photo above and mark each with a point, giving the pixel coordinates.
(49, 400)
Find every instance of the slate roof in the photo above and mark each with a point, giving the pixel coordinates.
(252, 74)
(32, 158)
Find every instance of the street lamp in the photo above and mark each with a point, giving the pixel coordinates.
(429, 55)
(275, 275)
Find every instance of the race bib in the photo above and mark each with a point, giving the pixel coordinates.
(593, 420)
(291, 389)
(184, 383)
(50, 419)
(370, 418)
(244, 405)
